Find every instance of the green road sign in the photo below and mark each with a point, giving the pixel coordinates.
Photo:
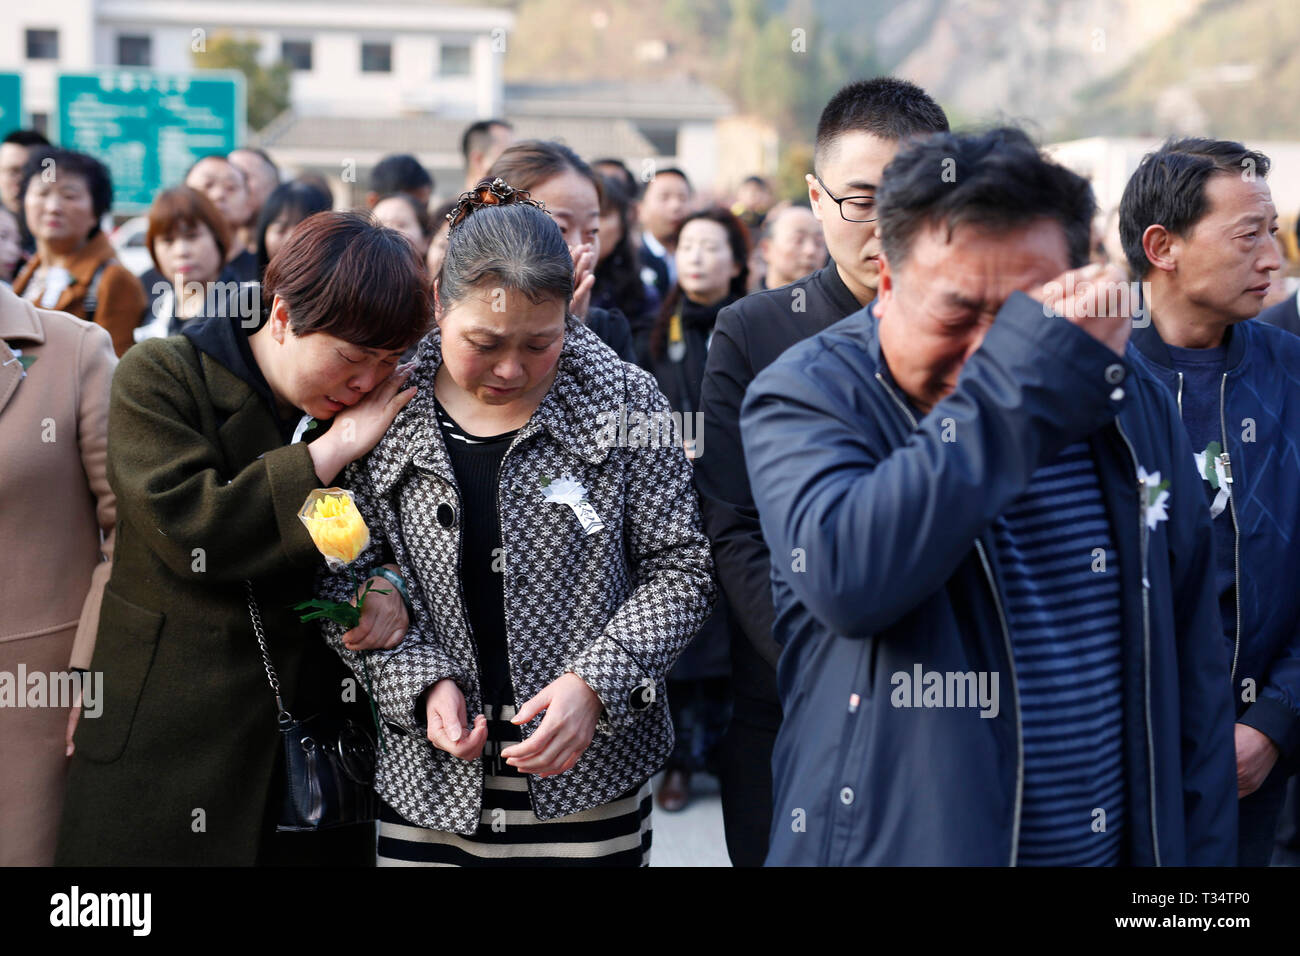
(11, 103)
(149, 127)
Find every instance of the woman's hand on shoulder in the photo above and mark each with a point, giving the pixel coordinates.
(572, 710)
(357, 430)
(445, 711)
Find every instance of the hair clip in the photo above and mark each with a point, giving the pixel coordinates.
(496, 192)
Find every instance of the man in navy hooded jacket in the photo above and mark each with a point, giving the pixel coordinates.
(1197, 222)
(992, 562)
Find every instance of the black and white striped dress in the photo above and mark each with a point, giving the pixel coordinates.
(509, 833)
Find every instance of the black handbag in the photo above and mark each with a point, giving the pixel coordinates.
(329, 760)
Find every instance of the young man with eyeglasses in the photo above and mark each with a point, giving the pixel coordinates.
(858, 134)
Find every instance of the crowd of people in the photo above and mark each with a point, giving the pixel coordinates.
(969, 539)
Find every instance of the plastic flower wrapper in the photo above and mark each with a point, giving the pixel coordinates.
(340, 535)
(335, 525)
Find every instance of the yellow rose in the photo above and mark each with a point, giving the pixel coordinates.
(335, 525)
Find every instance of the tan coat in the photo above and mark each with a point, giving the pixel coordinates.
(56, 502)
(122, 300)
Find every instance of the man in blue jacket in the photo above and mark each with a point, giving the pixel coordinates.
(992, 563)
(1197, 222)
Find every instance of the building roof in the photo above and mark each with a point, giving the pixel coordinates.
(673, 99)
(433, 135)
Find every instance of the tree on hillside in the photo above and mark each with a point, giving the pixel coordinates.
(267, 86)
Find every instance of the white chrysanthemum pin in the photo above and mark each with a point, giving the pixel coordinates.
(567, 490)
(1155, 499)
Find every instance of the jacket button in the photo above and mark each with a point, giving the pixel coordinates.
(642, 696)
(446, 515)
(521, 581)
(1114, 374)
(846, 795)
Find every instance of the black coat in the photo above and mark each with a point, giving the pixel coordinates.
(612, 328)
(1284, 315)
(679, 372)
(749, 336)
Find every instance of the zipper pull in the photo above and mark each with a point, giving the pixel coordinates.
(854, 701)
(1227, 467)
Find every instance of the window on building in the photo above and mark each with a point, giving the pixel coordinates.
(455, 60)
(41, 123)
(663, 140)
(376, 58)
(42, 44)
(297, 53)
(134, 50)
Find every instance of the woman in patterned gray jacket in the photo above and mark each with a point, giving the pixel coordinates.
(539, 506)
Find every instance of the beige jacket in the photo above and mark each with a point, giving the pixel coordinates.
(54, 432)
(55, 504)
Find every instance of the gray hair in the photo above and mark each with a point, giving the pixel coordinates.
(514, 246)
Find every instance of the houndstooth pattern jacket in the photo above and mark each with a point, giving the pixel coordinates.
(615, 607)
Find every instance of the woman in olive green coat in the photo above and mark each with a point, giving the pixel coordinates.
(183, 764)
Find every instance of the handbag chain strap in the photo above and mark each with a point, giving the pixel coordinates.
(271, 677)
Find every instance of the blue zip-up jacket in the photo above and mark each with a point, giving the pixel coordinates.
(1259, 417)
(879, 528)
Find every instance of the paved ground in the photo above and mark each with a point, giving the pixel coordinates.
(691, 837)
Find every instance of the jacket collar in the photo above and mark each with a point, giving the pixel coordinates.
(18, 319)
(81, 266)
(19, 324)
(1147, 340)
(833, 284)
(590, 379)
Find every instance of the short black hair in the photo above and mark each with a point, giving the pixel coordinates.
(26, 137)
(477, 132)
(1168, 189)
(418, 210)
(67, 162)
(757, 181)
(883, 106)
(399, 173)
(996, 178)
(671, 171)
(344, 274)
(299, 200)
(630, 184)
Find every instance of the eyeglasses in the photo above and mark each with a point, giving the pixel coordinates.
(859, 208)
(494, 193)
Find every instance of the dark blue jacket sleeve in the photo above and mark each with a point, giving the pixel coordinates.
(1276, 712)
(879, 533)
(1204, 691)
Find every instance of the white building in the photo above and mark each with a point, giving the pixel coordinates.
(373, 78)
(1108, 162)
(381, 58)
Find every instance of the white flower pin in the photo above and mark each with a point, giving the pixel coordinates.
(1155, 498)
(1210, 466)
(567, 490)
